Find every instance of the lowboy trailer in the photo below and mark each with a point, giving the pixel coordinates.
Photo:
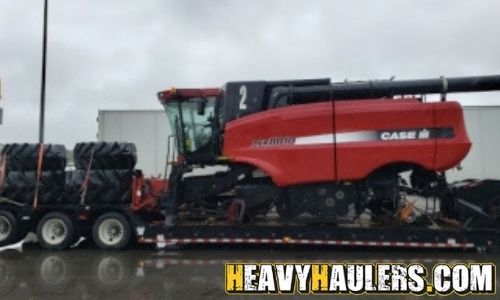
(301, 162)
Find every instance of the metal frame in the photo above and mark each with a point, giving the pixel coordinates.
(399, 237)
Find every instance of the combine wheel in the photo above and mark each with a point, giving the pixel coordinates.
(55, 231)
(9, 228)
(111, 231)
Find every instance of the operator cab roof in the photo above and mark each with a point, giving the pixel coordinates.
(177, 94)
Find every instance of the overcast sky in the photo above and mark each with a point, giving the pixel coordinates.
(116, 54)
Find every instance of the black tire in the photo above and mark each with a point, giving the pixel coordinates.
(24, 157)
(54, 157)
(116, 186)
(112, 231)
(20, 156)
(9, 228)
(56, 231)
(74, 180)
(104, 186)
(107, 155)
(52, 187)
(20, 186)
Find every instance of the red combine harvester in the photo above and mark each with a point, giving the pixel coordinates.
(305, 162)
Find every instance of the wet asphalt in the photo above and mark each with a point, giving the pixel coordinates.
(187, 273)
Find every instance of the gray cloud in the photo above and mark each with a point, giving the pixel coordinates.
(117, 54)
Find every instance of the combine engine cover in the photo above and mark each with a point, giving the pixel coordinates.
(348, 140)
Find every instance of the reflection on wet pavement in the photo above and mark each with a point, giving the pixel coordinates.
(175, 274)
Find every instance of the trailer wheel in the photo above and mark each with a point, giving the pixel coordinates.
(55, 231)
(9, 228)
(111, 231)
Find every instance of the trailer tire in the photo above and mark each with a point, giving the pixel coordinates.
(9, 228)
(56, 231)
(111, 231)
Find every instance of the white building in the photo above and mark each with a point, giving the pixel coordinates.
(149, 130)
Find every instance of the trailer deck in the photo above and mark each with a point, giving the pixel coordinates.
(397, 237)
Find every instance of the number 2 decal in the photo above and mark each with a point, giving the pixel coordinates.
(243, 94)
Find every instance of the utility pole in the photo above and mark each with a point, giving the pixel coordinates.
(41, 126)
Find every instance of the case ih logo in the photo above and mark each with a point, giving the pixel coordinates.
(416, 134)
(405, 135)
(274, 141)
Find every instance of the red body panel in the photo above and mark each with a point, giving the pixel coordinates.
(448, 151)
(146, 193)
(357, 160)
(309, 143)
(287, 163)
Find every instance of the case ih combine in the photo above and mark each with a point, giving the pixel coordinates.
(296, 162)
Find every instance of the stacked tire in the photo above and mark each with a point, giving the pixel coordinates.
(109, 167)
(105, 155)
(21, 177)
(104, 174)
(22, 180)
